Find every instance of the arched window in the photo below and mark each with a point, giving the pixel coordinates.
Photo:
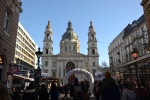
(73, 48)
(92, 37)
(94, 72)
(66, 48)
(46, 51)
(46, 63)
(48, 36)
(69, 66)
(7, 20)
(93, 51)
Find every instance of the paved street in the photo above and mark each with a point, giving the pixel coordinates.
(70, 98)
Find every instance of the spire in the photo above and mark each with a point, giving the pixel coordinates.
(91, 28)
(69, 26)
(48, 27)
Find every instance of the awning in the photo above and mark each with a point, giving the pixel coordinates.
(138, 60)
(23, 77)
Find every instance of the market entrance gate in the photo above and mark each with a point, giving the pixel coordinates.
(88, 75)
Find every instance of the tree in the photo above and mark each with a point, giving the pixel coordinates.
(104, 64)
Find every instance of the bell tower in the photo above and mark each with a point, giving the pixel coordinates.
(92, 41)
(47, 42)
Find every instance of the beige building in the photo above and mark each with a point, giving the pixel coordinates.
(25, 50)
(116, 52)
(69, 56)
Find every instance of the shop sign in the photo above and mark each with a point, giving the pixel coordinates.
(14, 70)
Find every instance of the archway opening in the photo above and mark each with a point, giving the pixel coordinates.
(69, 66)
(88, 75)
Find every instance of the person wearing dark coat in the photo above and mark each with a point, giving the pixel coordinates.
(29, 93)
(43, 94)
(54, 91)
(110, 90)
(66, 92)
(71, 87)
(4, 94)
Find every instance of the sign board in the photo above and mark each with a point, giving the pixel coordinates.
(20, 72)
(13, 70)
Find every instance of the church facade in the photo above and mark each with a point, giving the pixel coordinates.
(69, 57)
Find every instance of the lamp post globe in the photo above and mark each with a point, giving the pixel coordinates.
(134, 53)
(38, 53)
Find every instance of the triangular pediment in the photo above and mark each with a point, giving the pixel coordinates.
(71, 54)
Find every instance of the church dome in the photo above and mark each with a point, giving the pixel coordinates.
(70, 34)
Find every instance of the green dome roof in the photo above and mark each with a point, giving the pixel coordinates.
(70, 34)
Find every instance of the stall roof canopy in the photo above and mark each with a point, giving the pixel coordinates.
(138, 60)
(22, 77)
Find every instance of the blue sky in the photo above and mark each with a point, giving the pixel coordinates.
(109, 18)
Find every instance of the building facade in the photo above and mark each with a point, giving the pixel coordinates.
(116, 52)
(69, 56)
(9, 16)
(134, 37)
(146, 8)
(25, 50)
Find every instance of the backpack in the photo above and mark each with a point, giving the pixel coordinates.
(79, 95)
(128, 98)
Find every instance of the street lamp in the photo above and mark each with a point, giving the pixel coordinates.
(134, 53)
(38, 54)
(135, 56)
(37, 73)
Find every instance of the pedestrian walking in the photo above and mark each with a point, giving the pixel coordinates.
(71, 88)
(43, 94)
(120, 86)
(54, 91)
(110, 90)
(4, 95)
(97, 90)
(127, 92)
(78, 92)
(29, 92)
(65, 88)
(85, 90)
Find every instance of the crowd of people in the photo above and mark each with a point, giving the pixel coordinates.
(107, 89)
